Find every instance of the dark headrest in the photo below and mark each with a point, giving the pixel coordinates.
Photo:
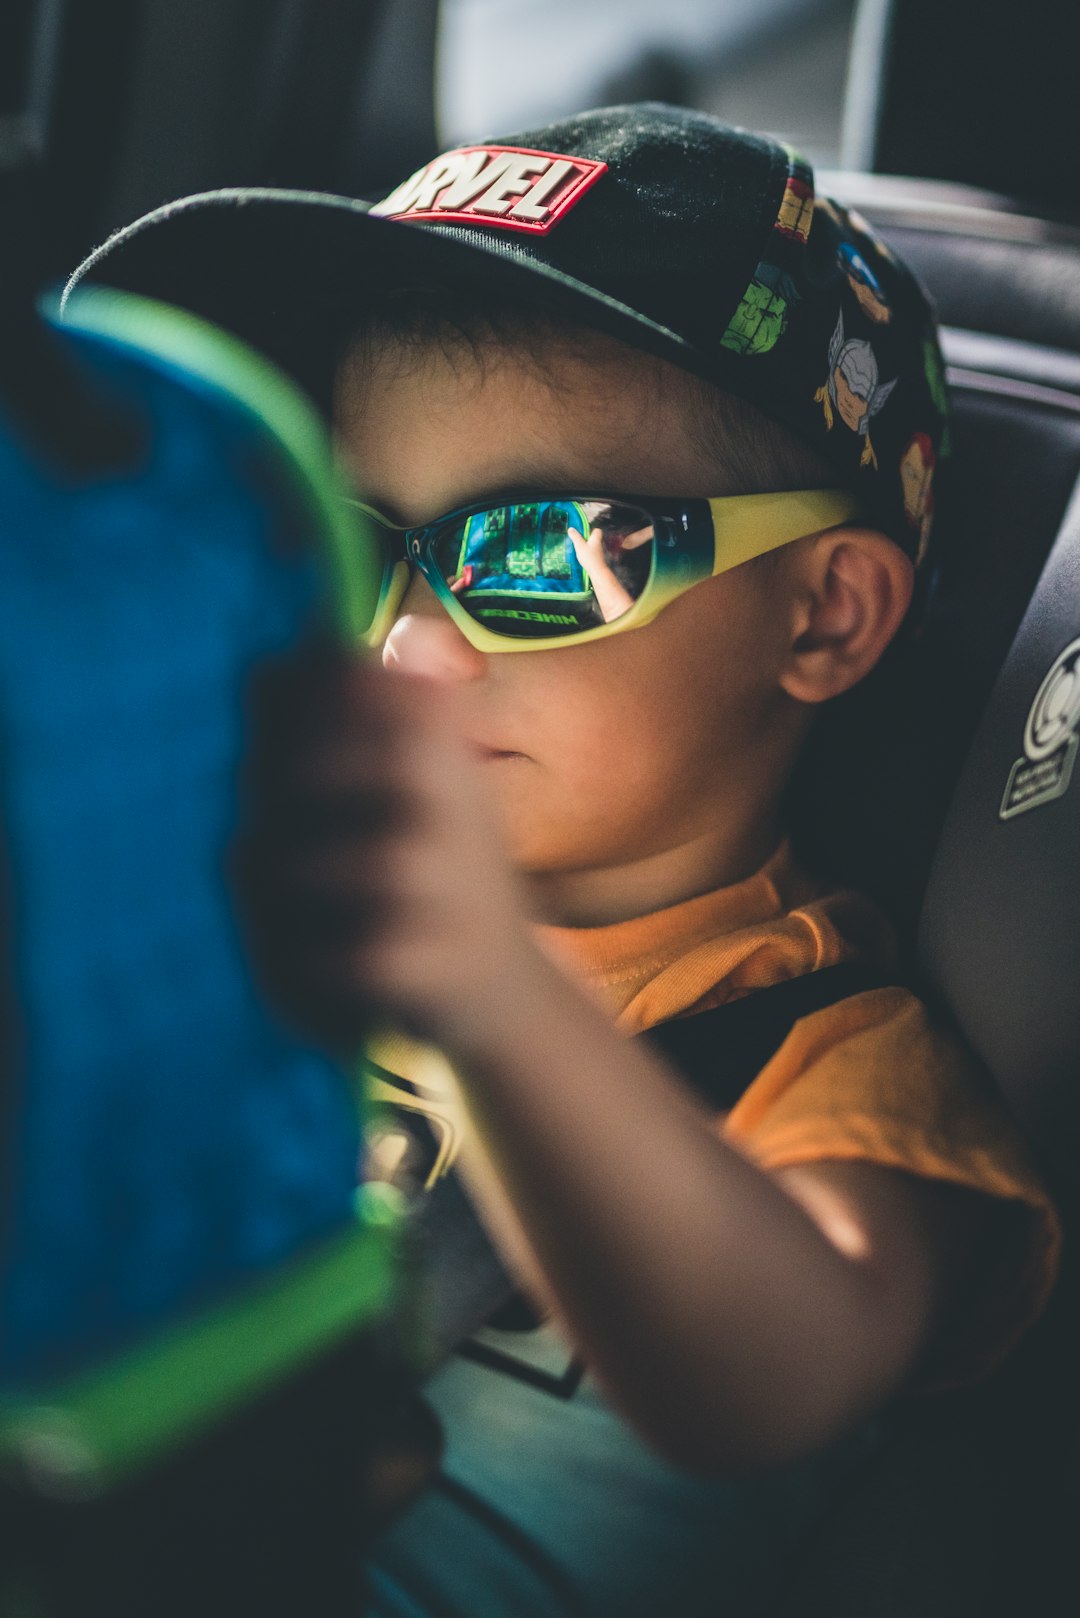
(885, 765)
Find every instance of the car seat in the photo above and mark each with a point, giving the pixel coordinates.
(190, 1391)
(969, 1510)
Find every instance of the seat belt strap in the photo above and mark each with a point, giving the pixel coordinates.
(721, 1051)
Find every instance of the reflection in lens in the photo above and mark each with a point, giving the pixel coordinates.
(540, 569)
(614, 546)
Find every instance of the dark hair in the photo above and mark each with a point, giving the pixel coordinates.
(759, 456)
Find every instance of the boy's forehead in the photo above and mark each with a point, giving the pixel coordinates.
(446, 422)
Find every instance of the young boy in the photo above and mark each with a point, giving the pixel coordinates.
(646, 429)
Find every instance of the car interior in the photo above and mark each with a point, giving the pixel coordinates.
(262, 1458)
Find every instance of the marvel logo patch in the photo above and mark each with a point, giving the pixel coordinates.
(494, 185)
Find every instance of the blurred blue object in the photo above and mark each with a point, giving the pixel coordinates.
(166, 1138)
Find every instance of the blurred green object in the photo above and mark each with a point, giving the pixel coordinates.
(196, 1304)
(84, 1435)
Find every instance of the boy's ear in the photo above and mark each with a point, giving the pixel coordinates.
(852, 589)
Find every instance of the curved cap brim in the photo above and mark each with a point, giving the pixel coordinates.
(291, 273)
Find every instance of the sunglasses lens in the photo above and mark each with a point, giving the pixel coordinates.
(544, 568)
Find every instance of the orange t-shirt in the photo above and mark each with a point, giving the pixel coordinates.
(872, 1078)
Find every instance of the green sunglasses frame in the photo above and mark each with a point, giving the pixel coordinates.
(694, 540)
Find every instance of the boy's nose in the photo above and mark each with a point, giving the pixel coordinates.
(425, 640)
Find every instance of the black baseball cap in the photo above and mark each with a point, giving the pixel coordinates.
(684, 237)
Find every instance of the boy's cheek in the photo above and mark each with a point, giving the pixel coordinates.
(586, 756)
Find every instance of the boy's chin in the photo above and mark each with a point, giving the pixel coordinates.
(538, 856)
(543, 862)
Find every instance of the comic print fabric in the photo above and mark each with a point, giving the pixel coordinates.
(679, 235)
(719, 236)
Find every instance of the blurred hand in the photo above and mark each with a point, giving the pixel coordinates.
(371, 873)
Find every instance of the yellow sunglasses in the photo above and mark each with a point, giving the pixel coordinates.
(537, 571)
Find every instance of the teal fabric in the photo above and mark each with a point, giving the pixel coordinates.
(166, 1138)
(554, 1509)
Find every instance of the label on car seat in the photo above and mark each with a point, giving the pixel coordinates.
(1050, 739)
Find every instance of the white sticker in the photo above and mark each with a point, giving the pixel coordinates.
(1050, 739)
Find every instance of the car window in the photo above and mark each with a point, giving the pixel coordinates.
(771, 64)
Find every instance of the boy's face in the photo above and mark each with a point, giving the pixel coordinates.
(613, 753)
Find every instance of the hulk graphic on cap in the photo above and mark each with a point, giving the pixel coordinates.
(761, 318)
